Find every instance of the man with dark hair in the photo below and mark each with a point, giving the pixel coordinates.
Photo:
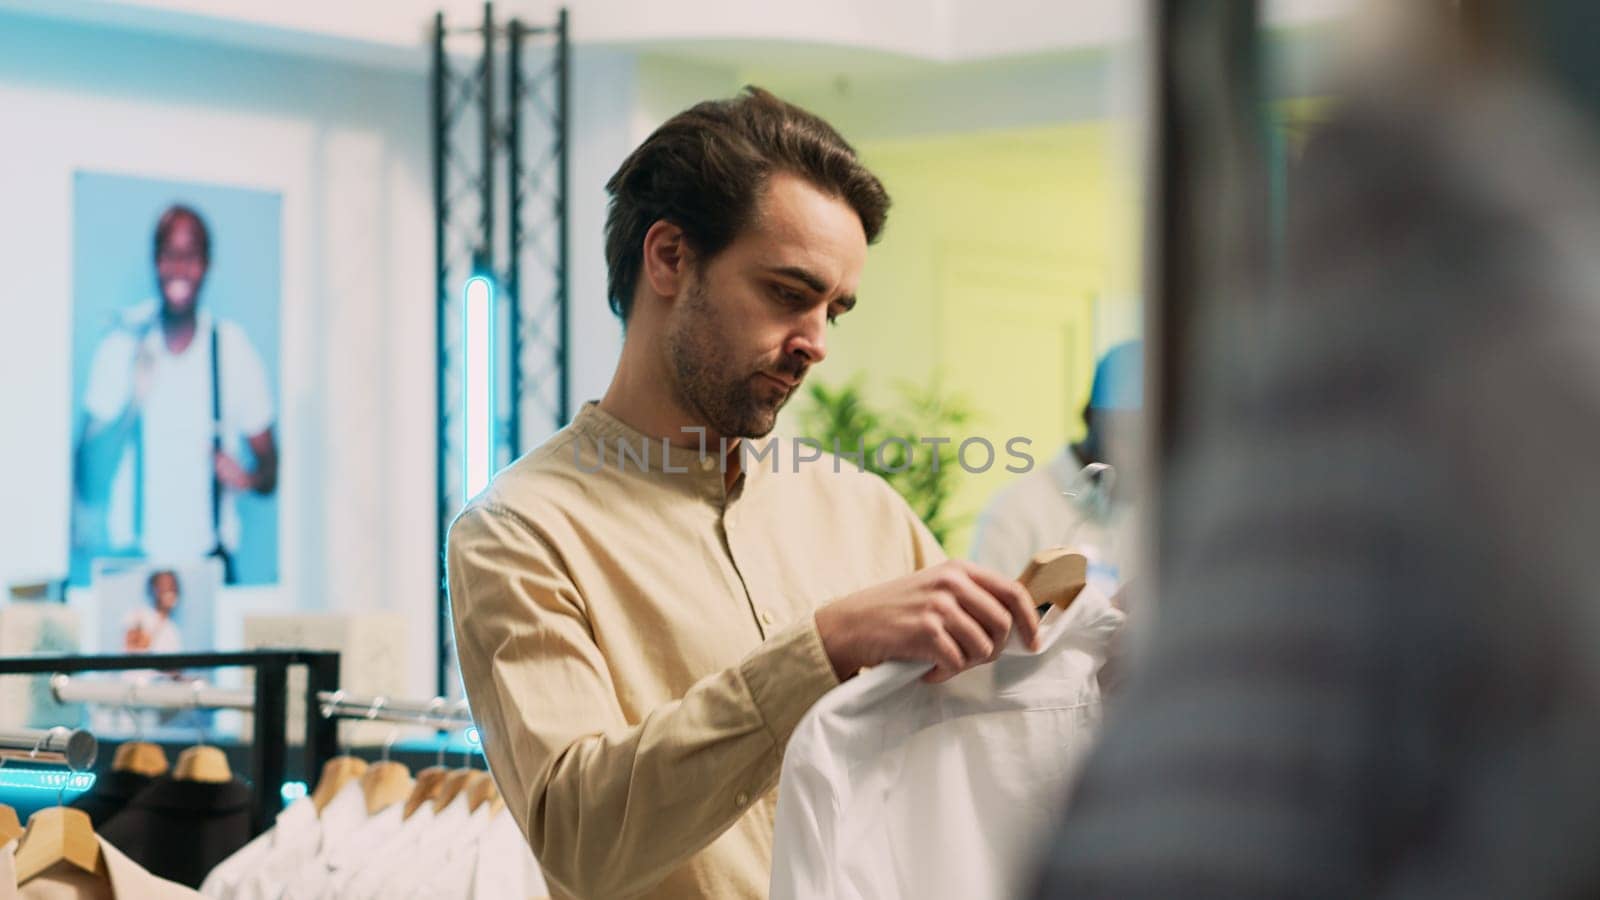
(151, 629)
(174, 396)
(638, 641)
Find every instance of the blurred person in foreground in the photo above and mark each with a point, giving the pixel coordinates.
(1376, 670)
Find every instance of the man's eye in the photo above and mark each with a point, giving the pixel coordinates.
(789, 295)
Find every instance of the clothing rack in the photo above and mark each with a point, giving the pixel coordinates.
(72, 747)
(438, 713)
(151, 695)
(269, 704)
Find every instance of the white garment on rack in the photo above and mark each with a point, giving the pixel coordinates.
(432, 846)
(448, 874)
(291, 840)
(894, 788)
(505, 866)
(366, 882)
(349, 839)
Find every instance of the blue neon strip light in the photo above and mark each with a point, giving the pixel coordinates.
(477, 383)
(51, 780)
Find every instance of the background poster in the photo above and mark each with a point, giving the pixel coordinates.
(146, 388)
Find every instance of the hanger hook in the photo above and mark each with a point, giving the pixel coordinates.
(328, 709)
(61, 795)
(434, 706)
(195, 687)
(388, 742)
(128, 703)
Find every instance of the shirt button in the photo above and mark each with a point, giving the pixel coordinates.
(707, 464)
(766, 618)
(741, 799)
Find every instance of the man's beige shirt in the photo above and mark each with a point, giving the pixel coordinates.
(637, 642)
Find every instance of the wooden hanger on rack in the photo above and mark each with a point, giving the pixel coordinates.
(385, 783)
(336, 773)
(55, 835)
(202, 762)
(426, 788)
(140, 758)
(10, 825)
(1055, 577)
(483, 790)
(454, 783)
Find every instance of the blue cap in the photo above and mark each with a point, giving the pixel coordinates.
(1119, 378)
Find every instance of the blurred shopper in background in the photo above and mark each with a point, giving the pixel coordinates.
(1066, 504)
(1377, 666)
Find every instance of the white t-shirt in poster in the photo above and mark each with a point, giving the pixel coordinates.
(175, 428)
(161, 632)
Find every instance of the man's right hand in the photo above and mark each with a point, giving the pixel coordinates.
(955, 615)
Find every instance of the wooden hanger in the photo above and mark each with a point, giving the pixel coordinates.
(453, 784)
(59, 834)
(1055, 577)
(336, 773)
(202, 763)
(485, 791)
(10, 825)
(426, 788)
(140, 758)
(384, 784)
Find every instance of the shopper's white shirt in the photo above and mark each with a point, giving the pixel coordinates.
(125, 880)
(176, 429)
(162, 631)
(894, 788)
(255, 870)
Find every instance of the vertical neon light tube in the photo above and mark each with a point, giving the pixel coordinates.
(477, 385)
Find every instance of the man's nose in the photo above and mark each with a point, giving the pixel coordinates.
(810, 340)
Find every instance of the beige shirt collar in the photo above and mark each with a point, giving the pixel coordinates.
(605, 440)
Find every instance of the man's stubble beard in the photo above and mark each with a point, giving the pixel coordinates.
(708, 381)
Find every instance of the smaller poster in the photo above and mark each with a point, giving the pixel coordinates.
(145, 607)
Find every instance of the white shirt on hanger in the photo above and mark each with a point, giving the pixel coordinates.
(505, 867)
(294, 835)
(432, 847)
(366, 882)
(449, 873)
(894, 788)
(350, 838)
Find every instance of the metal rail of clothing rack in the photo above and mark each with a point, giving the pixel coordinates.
(74, 748)
(269, 705)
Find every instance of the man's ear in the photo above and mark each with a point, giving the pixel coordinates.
(667, 259)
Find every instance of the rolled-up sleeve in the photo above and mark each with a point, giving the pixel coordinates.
(609, 807)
